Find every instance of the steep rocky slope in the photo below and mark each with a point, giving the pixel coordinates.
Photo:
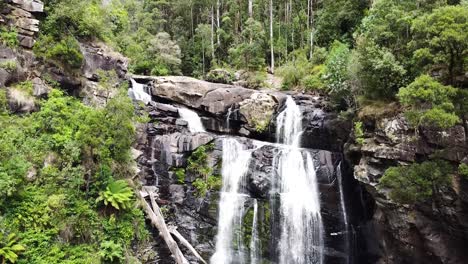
(430, 232)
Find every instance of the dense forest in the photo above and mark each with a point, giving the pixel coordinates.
(63, 193)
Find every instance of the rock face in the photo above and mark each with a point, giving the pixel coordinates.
(237, 110)
(22, 14)
(422, 233)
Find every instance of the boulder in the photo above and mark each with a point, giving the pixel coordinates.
(98, 56)
(33, 6)
(40, 89)
(258, 110)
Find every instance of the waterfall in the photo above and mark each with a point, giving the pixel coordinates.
(289, 124)
(301, 238)
(343, 210)
(294, 201)
(231, 205)
(194, 122)
(137, 92)
(228, 117)
(254, 237)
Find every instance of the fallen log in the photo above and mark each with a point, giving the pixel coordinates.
(157, 220)
(173, 231)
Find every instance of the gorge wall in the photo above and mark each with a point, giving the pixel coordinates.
(380, 231)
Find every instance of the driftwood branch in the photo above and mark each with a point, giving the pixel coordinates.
(157, 220)
(184, 242)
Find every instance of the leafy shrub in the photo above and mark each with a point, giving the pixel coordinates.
(416, 182)
(3, 102)
(463, 170)
(111, 252)
(314, 80)
(9, 65)
(65, 51)
(9, 37)
(198, 166)
(180, 175)
(431, 103)
(358, 133)
(118, 194)
(9, 248)
(336, 75)
(379, 73)
(220, 76)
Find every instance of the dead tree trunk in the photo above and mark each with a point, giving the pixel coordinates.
(157, 220)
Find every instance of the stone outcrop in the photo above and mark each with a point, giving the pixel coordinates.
(237, 110)
(428, 232)
(22, 15)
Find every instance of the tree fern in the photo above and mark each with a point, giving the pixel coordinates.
(118, 194)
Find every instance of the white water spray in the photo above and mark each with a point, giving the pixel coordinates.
(137, 92)
(254, 237)
(194, 122)
(301, 239)
(231, 206)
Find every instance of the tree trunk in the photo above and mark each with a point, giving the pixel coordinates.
(157, 220)
(212, 35)
(218, 23)
(250, 8)
(311, 29)
(272, 53)
(184, 242)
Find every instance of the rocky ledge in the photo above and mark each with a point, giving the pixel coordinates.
(23, 14)
(250, 113)
(429, 232)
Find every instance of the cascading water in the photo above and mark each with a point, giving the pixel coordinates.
(301, 238)
(254, 238)
(294, 196)
(137, 92)
(231, 205)
(194, 122)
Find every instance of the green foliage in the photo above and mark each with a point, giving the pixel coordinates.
(336, 73)
(379, 73)
(26, 86)
(358, 133)
(118, 194)
(295, 70)
(199, 167)
(9, 37)
(180, 175)
(431, 103)
(9, 247)
(66, 52)
(82, 19)
(248, 54)
(440, 39)
(416, 182)
(111, 252)
(337, 19)
(315, 80)
(3, 102)
(53, 164)
(9, 65)
(463, 170)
